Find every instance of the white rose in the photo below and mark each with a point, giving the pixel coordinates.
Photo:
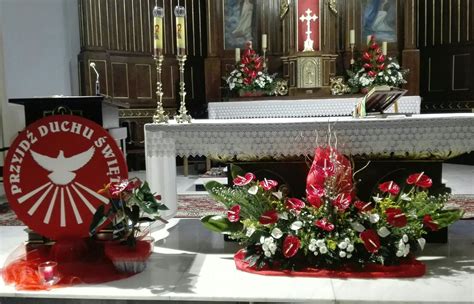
(268, 254)
(405, 238)
(342, 245)
(320, 243)
(399, 253)
(350, 248)
(342, 254)
(277, 233)
(323, 250)
(312, 247)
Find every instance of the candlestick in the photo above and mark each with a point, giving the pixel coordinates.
(237, 55)
(264, 41)
(180, 13)
(183, 115)
(47, 272)
(158, 14)
(352, 37)
(384, 48)
(160, 114)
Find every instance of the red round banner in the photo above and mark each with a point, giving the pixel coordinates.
(53, 171)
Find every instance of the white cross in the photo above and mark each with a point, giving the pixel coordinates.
(308, 43)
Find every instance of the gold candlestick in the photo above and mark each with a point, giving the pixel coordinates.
(352, 53)
(265, 60)
(160, 114)
(183, 115)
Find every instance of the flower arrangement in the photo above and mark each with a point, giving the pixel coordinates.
(330, 228)
(249, 76)
(374, 69)
(131, 204)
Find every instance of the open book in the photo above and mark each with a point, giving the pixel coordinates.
(377, 100)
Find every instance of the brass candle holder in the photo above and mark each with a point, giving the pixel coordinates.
(183, 115)
(352, 53)
(160, 114)
(264, 50)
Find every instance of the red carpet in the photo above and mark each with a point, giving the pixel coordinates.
(196, 206)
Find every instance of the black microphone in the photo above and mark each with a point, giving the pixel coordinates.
(97, 84)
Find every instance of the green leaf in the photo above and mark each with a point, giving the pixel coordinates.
(145, 219)
(97, 220)
(236, 170)
(221, 224)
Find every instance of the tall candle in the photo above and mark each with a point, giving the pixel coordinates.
(264, 41)
(384, 47)
(158, 30)
(237, 55)
(180, 13)
(352, 37)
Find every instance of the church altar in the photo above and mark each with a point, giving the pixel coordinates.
(416, 136)
(338, 106)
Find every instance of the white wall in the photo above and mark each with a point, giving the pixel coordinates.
(40, 48)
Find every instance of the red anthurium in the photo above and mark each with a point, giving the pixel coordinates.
(244, 180)
(324, 224)
(364, 206)
(390, 187)
(371, 73)
(291, 244)
(420, 179)
(115, 189)
(245, 60)
(233, 214)
(374, 46)
(342, 201)
(294, 204)
(429, 223)
(381, 59)
(396, 217)
(268, 217)
(315, 177)
(382, 67)
(367, 66)
(371, 240)
(314, 194)
(268, 184)
(366, 56)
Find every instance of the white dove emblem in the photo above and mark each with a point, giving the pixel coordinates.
(61, 167)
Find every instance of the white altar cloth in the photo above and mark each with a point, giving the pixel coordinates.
(300, 108)
(194, 264)
(418, 134)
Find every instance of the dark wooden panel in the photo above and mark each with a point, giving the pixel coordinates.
(144, 85)
(120, 87)
(462, 72)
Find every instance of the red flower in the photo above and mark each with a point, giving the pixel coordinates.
(420, 179)
(390, 187)
(429, 223)
(371, 240)
(366, 56)
(324, 224)
(363, 206)
(342, 201)
(291, 244)
(233, 214)
(245, 61)
(367, 66)
(396, 217)
(268, 217)
(314, 194)
(247, 81)
(268, 184)
(371, 73)
(374, 46)
(244, 180)
(294, 204)
(382, 67)
(381, 59)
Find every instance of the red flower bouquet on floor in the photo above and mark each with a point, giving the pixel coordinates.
(330, 232)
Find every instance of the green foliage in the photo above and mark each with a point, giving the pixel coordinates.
(221, 224)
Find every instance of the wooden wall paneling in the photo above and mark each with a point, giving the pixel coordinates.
(120, 84)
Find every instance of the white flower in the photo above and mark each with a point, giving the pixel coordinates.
(401, 245)
(350, 248)
(377, 199)
(312, 241)
(374, 218)
(320, 243)
(312, 247)
(268, 254)
(296, 225)
(265, 247)
(250, 231)
(405, 238)
(405, 197)
(262, 239)
(347, 240)
(357, 226)
(342, 254)
(278, 194)
(323, 250)
(276, 233)
(342, 245)
(383, 231)
(253, 190)
(421, 242)
(268, 240)
(407, 250)
(283, 216)
(260, 73)
(349, 256)
(272, 247)
(399, 253)
(316, 252)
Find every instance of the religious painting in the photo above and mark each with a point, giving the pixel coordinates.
(379, 18)
(308, 25)
(239, 23)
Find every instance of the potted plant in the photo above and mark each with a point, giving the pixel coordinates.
(131, 209)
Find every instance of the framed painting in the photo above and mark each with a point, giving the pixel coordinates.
(379, 18)
(239, 23)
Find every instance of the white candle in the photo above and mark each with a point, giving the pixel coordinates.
(264, 41)
(352, 37)
(384, 48)
(237, 55)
